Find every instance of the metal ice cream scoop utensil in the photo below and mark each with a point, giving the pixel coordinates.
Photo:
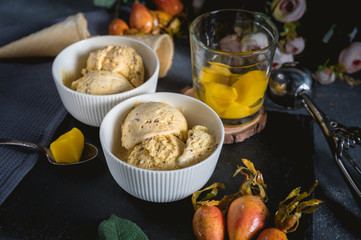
(291, 87)
(89, 152)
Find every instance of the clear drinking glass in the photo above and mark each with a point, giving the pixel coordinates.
(232, 52)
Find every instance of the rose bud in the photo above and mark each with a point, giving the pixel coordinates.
(254, 41)
(325, 75)
(295, 46)
(351, 57)
(288, 10)
(281, 58)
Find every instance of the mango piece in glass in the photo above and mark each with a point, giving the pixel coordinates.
(68, 148)
(219, 96)
(216, 72)
(235, 110)
(239, 110)
(251, 87)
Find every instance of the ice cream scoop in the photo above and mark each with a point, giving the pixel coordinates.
(200, 144)
(123, 60)
(157, 153)
(291, 87)
(153, 119)
(101, 83)
(89, 152)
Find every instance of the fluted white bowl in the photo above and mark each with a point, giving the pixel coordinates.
(160, 186)
(91, 109)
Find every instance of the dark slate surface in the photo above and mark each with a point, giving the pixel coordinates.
(69, 203)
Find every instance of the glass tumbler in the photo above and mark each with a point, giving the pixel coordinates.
(232, 52)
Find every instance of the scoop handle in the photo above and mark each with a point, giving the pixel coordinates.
(338, 138)
(322, 119)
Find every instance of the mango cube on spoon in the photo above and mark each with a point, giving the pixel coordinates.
(68, 148)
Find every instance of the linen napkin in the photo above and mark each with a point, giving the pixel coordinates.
(30, 107)
(31, 111)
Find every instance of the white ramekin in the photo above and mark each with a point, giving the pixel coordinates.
(91, 109)
(160, 186)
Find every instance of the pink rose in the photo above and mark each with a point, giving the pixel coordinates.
(295, 46)
(254, 42)
(351, 57)
(281, 58)
(288, 10)
(325, 76)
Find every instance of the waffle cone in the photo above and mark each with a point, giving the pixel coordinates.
(48, 41)
(163, 46)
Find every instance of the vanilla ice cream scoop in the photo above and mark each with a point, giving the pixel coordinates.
(123, 60)
(101, 83)
(157, 153)
(200, 144)
(152, 119)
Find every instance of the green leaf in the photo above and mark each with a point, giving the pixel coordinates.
(116, 228)
(104, 3)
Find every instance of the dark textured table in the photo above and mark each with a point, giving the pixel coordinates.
(69, 203)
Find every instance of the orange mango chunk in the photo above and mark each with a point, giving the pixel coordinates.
(235, 110)
(219, 96)
(68, 148)
(239, 110)
(251, 87)
(216, 72)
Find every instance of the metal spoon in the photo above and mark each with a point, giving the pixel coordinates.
(291, 86)
(89, 152)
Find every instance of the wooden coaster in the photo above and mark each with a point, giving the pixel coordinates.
(236, 134)
(240, 133)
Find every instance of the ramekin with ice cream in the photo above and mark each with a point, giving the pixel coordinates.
(160, 185)
(72, 64)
